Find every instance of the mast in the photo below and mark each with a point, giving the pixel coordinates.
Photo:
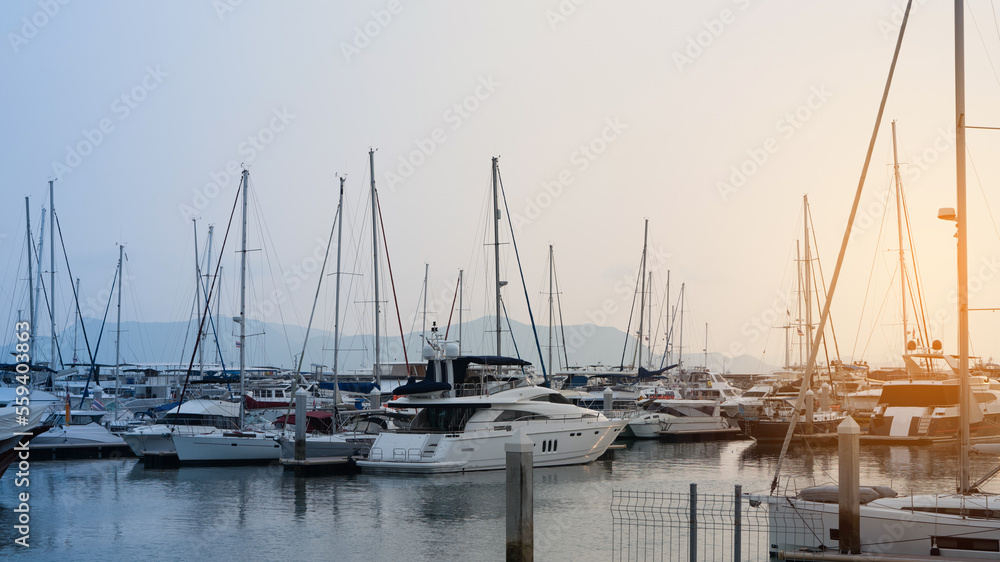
(38, 256)
(52, 273)
(197, 297)
(798, 319)
(336, 306)
(243, 298)
(551, 305)
(899, 224)
(76, 325)
(459, 311)
(31, 280)
(651, 337)
(963, 249)
(496, 247)
(375, 365)
(118, 337)
(680, 335)
(423, 330)
(207, 286)
(706, 346)
(808, 274)
(642, 294)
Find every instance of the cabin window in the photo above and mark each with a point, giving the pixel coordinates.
(518, 415)
(968, 543)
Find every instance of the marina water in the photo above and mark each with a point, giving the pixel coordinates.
(115, 509)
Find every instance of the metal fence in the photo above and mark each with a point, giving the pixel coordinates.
(678, 526)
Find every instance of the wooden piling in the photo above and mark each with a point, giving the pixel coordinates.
(520, 498)
(849, 437)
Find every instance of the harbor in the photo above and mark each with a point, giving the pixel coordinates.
(734, 327)
(189, 511)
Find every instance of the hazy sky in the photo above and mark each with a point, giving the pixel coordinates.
(603, 114)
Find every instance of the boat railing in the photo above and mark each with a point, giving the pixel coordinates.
(485, 389)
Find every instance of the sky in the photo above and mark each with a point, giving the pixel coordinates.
(710, 119)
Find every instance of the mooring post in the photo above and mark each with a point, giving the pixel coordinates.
(810, 408)
(849, 437)
(375, 399)
(738, 524)
(824, 397)
(300, 423)
(609, 398)
(520, 498)
(693, 525)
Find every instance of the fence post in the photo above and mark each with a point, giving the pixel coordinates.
(693, 531)
(738, 525)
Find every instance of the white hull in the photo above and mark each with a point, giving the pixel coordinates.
(159, 438)
(226, 448)
(89, 435)
(556, 444)
(889, 526)
(653, 426)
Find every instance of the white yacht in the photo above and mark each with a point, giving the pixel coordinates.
(193, 417)
(16, 427)
(694, 419)
(463, 426)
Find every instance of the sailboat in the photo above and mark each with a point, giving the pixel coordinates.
(468, 412)
(232, 447)
(957, 525)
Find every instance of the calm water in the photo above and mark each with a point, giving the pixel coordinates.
(117, 510)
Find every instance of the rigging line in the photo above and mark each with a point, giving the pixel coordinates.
(513, 241)
(843, 249)
(453, 300)
(996, 25)
(628, 328)
(916, 270)
(981, 190)
(822, 279)
(385, 244)
(987, 51)
(562, 325)
(76, 300)
(868, 287)
(878, 314)
(513, 340)
(263, 230)
(208, 304)
(100, 335)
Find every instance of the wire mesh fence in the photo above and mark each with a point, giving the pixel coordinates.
(677, 526)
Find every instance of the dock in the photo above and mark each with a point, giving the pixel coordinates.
(316, 466)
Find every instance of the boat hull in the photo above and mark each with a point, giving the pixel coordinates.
(226, 449)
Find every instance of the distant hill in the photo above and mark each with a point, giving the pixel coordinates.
(279, 345)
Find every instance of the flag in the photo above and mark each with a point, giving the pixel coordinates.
(238, 344)
(97, 405)
(799, 330)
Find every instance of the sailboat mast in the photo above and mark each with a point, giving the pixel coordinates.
(706, 346)
(375, 365)
(206, 285)
(670, 325)
(423, 330)
(76, 325)
(52, 272)
(197, 298)
(31, 280)
(963, 249)
(460, 311)
(680, 335)
(336, 300)
(118, 337)
(551, 305)
(38, 286)
(808, 275)
(496, 247)
(642, 293)
(899, 224)
(243, 297)
(652, 336)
